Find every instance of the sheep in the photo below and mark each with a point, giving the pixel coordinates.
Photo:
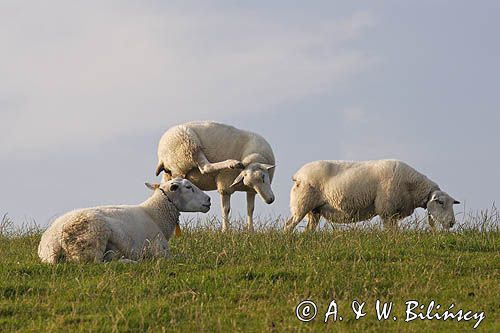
(131, 232)
(219, 157)
(344, 191)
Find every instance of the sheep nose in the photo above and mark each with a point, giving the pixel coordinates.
(270, 200)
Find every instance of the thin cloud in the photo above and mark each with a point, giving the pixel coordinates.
(84, 73)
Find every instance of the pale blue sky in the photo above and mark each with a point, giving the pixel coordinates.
(87, 89)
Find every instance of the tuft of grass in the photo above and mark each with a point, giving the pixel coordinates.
(245, 282)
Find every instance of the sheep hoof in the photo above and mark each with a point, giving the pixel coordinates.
(236, 165)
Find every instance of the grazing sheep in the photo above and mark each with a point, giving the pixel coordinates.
(209, 154)
(343, 191)
(130, 232)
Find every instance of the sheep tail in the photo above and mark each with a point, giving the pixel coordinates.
(160, 168)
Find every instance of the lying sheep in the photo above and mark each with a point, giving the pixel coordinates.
(343, 191)
(209, 154)
(129, 232)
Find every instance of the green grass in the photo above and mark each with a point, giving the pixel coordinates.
(253, 282)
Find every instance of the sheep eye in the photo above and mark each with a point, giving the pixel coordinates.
(189, 187)
(440, 202)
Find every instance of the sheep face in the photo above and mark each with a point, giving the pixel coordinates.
(440, 209)
(256, 176)
(184, 195)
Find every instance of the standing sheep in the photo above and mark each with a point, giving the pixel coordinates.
(209, 154)
(343, 191)
(130, 232)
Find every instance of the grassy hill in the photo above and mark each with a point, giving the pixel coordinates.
(253, 282)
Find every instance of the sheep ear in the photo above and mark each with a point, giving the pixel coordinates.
(237, 180)
(268, 167)
(456, 202)
(434, 197)
(152, 186)
(173, 187)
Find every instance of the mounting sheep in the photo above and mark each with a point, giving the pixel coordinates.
(219, 157)
(126, 232)
(344, 191)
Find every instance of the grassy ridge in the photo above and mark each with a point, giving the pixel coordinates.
(253, 282)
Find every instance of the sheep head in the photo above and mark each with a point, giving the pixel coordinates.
(183, 194)
(257, 177)
(440, 209)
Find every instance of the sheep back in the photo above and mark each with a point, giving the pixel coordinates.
(368, 188)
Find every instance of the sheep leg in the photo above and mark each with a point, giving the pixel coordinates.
(165, 254)
(431, 222)
(205, 166)
(159, 247)
(250, 208)
(303, 199)
(312, 220)
(225, 208)
(167, 176)
(293, 221)
(127, 261)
